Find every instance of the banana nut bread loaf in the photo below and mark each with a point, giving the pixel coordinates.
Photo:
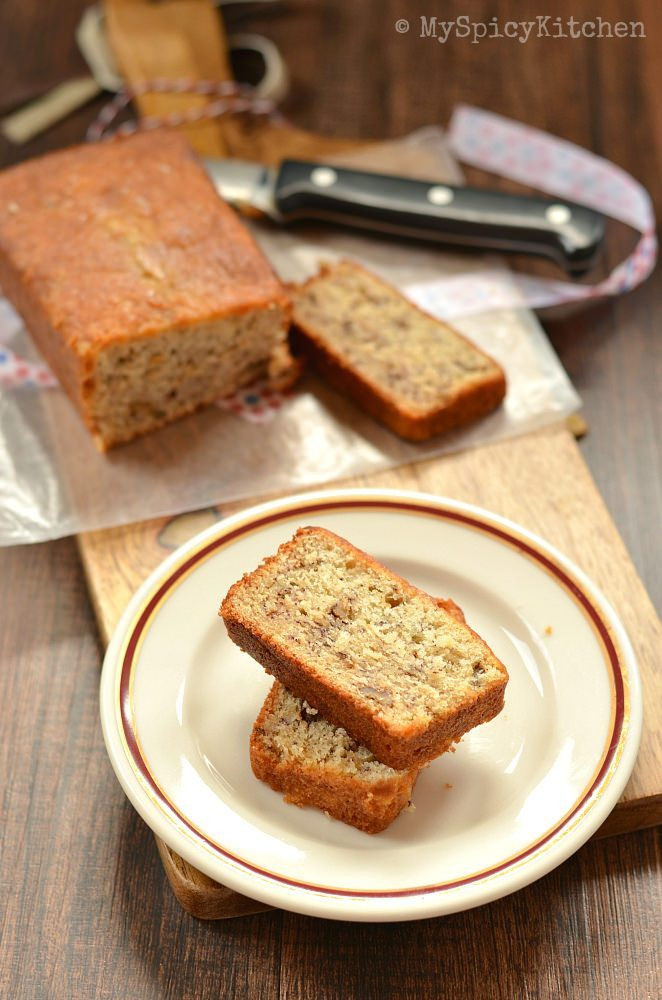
(374, 654)
(296, 751)
(140, 286)
(415, 374)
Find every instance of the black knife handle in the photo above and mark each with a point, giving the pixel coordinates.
(568, 233)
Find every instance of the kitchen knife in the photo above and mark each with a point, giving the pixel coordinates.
(473, 217)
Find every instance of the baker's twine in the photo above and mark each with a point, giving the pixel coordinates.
(226, 97)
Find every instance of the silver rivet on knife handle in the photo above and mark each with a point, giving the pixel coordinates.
(323, 177)
(558, 215)
(440, 195)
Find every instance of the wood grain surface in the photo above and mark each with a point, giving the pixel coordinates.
(86, 909)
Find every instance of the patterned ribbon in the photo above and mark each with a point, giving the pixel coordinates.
(559, 168)
(14, 370)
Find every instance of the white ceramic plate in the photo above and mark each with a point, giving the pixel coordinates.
(520, 794)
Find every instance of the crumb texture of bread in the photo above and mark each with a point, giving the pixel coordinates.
(141, 287)
(297, 752)
(179, 371)
(407, 369)
(401, 672)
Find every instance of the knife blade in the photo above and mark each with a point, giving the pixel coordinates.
(568, 233)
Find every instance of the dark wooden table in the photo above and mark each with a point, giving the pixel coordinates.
(86, 910)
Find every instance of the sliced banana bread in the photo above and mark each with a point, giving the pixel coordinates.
(374, 654)
(140, 286)
(407, 369)
(296, 751)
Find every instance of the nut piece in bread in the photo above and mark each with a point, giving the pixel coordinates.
(374, 654)
(140, 286)
(410, 371)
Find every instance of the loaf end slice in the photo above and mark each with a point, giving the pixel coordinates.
(297, 752)
(412, 372)
(374, 654)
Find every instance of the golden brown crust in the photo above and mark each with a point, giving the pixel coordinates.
(368, 807)
(469, 403)
(72, 370)
(117, 243)
(408, 746)
(128, 238)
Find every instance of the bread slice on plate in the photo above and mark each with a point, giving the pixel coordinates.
(374, 654)
(410, 371)
(296, 751)
(314, 763)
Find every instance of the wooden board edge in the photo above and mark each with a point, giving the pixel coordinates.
(201, 896)
(630, 816)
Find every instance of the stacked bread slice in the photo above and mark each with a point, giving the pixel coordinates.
(375, 678)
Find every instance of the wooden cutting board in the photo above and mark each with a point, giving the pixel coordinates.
(539, 480)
